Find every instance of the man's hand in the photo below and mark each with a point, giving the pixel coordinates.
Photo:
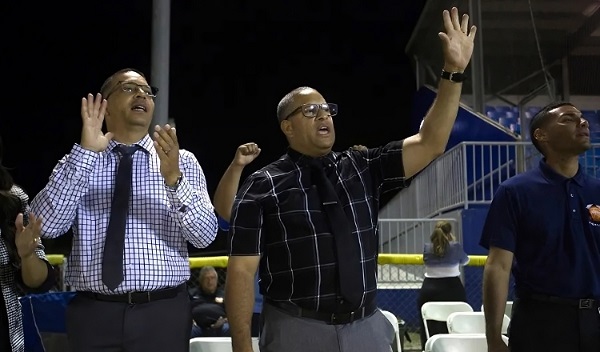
(92, 116)
(246, 153)
(167, 147)
(457, 41)
(217, 324)
(27, 238)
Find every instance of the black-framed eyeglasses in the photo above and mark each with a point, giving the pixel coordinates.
(132, 88)
(312, 110)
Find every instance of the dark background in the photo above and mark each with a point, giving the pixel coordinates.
(231, 62)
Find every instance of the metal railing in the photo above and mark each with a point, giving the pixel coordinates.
(469, 174)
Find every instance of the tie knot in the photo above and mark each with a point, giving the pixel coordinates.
(127, 150)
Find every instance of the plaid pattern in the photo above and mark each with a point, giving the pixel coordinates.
(11, 283)
(277, 214)
(160, 223)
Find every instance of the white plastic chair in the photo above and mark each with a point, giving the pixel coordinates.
(216, 344)
(471, 323)
(458, 343)
(507, 308)
(440, 311)
(394, 321)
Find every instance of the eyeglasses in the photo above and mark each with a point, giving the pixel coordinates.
(312, 110)
(132, 88)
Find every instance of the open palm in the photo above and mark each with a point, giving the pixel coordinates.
(92, 116)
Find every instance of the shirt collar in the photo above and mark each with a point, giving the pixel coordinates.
(145, 143)
(303, 159)
(555, 177)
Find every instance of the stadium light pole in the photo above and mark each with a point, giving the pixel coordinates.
(160, 51)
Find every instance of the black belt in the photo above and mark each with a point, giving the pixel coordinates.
(583, 303)
(135, 297)
(329, 318)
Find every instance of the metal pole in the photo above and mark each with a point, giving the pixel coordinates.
(477, 70)
(159, 76)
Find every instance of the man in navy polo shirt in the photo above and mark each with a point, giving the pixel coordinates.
(545, 225)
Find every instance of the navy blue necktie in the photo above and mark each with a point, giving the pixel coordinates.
(346, 244)
(112, 259)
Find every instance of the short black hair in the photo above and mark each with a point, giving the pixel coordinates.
(539, 120)
(285, 104)
(107, 85)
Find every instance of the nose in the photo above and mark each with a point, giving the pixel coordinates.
(139, 93)
(321, 115)
(584, 122)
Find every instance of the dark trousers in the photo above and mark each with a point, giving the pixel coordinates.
(552, 327)
(439, 290)
(157, 326)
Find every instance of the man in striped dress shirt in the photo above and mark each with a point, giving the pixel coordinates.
(149, 308)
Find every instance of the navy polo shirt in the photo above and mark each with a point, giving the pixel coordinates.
(552, 225)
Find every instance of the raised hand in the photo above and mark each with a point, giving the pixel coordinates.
(92, 116)
(457, 41)
(27, 238)
(246, 153)
(167, 147)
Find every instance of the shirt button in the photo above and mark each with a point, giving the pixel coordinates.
(571, 195)
(573, 210)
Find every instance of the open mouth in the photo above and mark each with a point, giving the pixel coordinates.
(323, 130)
(139, 107)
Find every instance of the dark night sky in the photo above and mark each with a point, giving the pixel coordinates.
(231, 62)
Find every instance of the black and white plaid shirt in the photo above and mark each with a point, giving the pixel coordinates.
(11, 283)
(160, 221)
(277, 214)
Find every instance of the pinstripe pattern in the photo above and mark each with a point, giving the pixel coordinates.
(277, 214)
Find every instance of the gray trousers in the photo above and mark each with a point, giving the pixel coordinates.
(283, 332)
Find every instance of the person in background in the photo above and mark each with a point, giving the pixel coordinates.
(23, 264)
(134, 202)
(208, 305)
(544, 226)
(223, 201)
(308, 221)
(443, 257)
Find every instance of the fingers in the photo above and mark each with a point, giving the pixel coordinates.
(472, 32)
(84, 108)
(93, 107)
(34, 228)
(453, 22)
(454, 17)
(19, 223)
(464, 25)
(165, 140)
(249, 149)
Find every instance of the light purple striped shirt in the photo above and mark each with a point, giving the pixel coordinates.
(160, 221)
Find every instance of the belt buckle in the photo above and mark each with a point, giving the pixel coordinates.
(585, 303)
(334, 319)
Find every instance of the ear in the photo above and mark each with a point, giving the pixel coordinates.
(540, 135)
(287, 128)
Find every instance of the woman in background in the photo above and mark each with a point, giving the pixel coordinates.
(442, 257)
(23, 264)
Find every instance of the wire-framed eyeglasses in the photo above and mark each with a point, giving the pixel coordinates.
(132, 88)
(312, 110)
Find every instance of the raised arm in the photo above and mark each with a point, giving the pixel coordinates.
(57, 202)
(228, 185)
(431, 140)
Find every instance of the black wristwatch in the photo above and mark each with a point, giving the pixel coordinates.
(174, 187)
(456, 77)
